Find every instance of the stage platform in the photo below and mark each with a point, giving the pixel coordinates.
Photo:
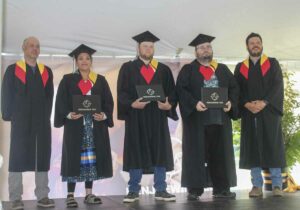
(290, 201)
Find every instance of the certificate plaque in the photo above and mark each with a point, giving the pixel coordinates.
(83, 104)
(214, 97)
(150, 92)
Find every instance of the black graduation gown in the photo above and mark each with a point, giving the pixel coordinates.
(261, 142)
(147, 137)
(73, 129)
(28, 106)
(188, 86)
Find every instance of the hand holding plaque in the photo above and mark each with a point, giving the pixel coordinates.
(164, 105)
(227, 106)
(98, 116)
(83, 104)
(75, 116)
(138, 104)
(201, 106)
(150, 93)
(214, 97)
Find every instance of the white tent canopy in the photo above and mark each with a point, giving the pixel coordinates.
(108, 25)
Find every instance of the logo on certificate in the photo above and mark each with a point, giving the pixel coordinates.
(150, 92)
(214, 96)
(86, 103)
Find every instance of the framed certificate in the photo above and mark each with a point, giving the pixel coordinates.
(151, 92)
(83, 104)
(214, 97)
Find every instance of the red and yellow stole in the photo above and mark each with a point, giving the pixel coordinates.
(86, 86)
(148, 72)
(20, 72)
(208, 71)
(264, 66)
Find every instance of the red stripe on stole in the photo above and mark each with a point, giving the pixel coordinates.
(244, 70)
(21, 74)
(85, 86)
(45, 76)
(265, 67)
(207, 72)
(147, 73)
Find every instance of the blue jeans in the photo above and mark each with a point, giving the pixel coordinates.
(257, 180)
(135, 177)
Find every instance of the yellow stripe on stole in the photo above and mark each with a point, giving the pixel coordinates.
(41, 68)
(263, 59)
(214, 64)
(154, 64)
(93, 77)
(22, 65)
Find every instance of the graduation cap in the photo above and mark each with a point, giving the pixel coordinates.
(200, 39)
(82, 49)
(146, 36)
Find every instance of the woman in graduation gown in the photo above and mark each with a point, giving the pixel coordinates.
(86, 153)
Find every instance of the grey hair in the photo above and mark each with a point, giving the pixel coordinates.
(26, 40)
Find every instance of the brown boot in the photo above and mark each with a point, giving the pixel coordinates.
(277, 192)
(256, 192)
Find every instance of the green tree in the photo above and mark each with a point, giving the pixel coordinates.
(291, 121)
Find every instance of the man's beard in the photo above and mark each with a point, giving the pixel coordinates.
(206, 59)
(145, 57)
(255, 54)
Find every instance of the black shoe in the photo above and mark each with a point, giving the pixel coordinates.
(192, 197)
(46, 203)
(131, 197)
(215, 192)
(224, 194)
(164, 196)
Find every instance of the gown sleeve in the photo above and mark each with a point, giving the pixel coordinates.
(187, 103)
(233, 95)
(108, 104)
(7, 94)
(243, 99)
(61, 104)
(124, 99)
(171, 94)
(50, 92)
(275, 94)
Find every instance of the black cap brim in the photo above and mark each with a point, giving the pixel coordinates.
(146, 36)
(200, 39)
(82, 49)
